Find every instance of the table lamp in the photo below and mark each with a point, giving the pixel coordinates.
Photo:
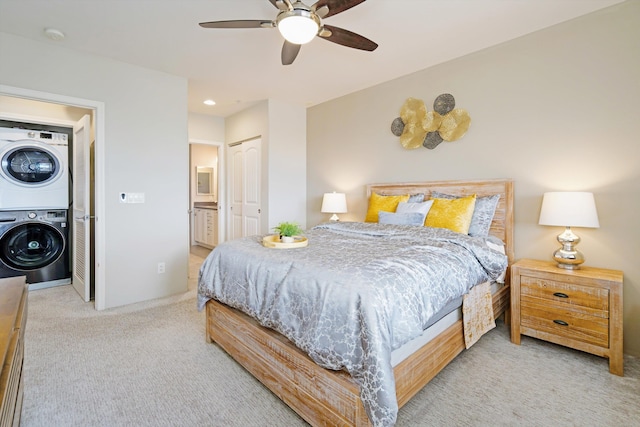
(568, 209)
(334, 203)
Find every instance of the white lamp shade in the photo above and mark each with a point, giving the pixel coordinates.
(298, 27)
(569, 209)
(334, 203)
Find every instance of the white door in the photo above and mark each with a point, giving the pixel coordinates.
(244, 186)
(81, 208)
(251, 193)
(235, 195)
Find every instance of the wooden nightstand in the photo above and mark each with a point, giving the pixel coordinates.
(13, 319)
(581, 309)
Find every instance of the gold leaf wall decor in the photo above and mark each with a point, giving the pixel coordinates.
(454, 125)
(432, 140)
(416, 126)
(444, 103)
(397, 126)
(432, 121)
(413, 114)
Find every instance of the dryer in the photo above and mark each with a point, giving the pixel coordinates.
(34, 169)
(35, 244)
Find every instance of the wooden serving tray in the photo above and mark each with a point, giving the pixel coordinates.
(273, 241)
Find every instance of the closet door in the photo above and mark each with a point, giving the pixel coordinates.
(251, 194)
(244, 189)
(81, 264)
(235, 192)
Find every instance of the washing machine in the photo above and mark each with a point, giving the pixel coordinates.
(34, 169)
(34, 243)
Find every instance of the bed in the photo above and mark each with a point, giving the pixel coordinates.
(333, 397)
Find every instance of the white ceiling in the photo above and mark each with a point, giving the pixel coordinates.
(239, 67)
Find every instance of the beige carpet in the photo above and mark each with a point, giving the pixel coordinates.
(148, 365)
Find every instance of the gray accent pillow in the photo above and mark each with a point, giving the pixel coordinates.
(406, 218)
(482, 214)
(416, 198)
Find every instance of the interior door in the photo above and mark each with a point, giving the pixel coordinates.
(235, 195)
(81, 264)
(244, 185)
(251, 194)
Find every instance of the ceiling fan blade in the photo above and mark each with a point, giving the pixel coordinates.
(347, 38)
(238, 23)
(334, 6)
(289, 52)
(281, 4)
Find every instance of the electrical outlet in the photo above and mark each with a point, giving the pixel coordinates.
(161, 268)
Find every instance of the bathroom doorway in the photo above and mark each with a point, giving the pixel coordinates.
(207, 200)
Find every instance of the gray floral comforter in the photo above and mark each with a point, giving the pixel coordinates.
(353, 295)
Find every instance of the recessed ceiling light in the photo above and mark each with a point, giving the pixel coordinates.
(53, 34)
(210, 102)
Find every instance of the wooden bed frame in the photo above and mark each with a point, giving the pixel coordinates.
(324, 397)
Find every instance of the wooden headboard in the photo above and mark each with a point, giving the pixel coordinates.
(502, 225)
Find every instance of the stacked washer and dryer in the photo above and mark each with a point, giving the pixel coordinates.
(34, 202)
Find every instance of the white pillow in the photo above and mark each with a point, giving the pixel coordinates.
(408, 207)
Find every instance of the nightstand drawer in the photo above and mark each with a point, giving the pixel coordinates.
(567, 293)
(563, 321)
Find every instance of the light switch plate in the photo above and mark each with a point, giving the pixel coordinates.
(135, 198)
(131, 197)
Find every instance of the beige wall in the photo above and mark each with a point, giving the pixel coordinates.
(554, 110)
(287, 163)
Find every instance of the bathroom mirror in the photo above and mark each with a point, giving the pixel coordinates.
(204, 181)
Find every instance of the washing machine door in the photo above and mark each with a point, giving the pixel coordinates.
(31, 246)
(29, 164)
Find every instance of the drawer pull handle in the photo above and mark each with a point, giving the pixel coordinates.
(560, 295)
(561, 322)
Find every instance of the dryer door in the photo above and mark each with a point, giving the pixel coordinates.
(31, 246)
(30, 164)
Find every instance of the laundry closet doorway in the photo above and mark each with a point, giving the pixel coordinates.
(23, 105)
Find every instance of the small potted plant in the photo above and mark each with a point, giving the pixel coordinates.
(287, 230)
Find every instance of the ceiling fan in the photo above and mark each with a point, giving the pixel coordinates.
(299, 24)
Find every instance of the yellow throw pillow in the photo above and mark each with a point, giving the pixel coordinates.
(454, 214)
(379, 203)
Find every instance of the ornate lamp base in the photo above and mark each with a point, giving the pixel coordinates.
(568, 256)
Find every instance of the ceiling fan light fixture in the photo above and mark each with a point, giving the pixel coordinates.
(298, 26)
(299, 23)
